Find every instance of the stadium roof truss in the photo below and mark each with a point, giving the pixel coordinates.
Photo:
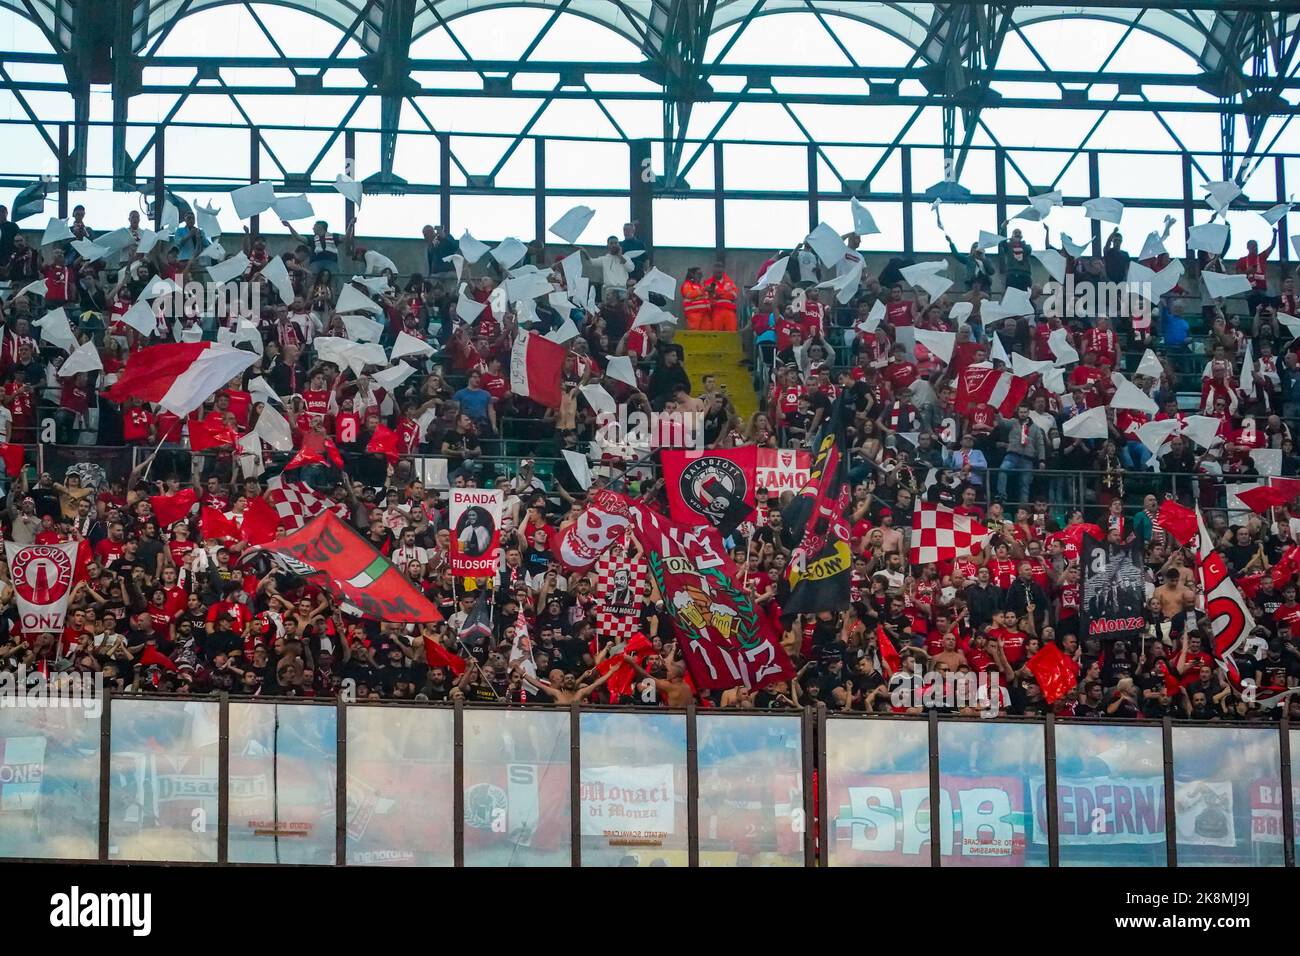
(1245, 51)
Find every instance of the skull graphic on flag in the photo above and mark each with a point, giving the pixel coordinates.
(620, 592)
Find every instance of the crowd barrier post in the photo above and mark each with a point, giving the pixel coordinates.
(575, 784)
(809, 780)
(1288, 796)
(823, 812)
(105, 762)
(1049, 785)
(458, 784)
(340, 783)
(223, 779)
(936, 854)
(1171, 832)
(692, 789)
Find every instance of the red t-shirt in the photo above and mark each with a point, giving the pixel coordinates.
(135, 424)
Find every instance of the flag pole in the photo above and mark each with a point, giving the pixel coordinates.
(149, 467)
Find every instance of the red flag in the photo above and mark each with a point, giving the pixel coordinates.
(620, 685)
(984, 385)
(214, 525)
(179, 376)
(169, 509)
(1284, 571)
(888, 653)
(384, 442)
(333, 556)
(536, 364)
(940, 534)
(261, 522)
(1249, 584)
(14, 456)
(1178, 521)
(316, 450)
(152, 656)
(206, 434)
(435, 655)
(1055, 672)
(1278, 491)
(703, 486)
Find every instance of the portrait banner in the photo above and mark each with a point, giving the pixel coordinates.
(475, 531)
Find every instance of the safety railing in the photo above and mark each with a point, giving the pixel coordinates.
(235, 780)
(1063, 490)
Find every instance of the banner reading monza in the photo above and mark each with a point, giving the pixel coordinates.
(1113, 600)
(475, 518)
(42, 576)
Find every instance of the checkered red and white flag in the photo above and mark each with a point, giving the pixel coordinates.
(620, 591)
(940, 534)
(296, 503)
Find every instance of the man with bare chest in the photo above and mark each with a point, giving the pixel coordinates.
(949, 657)
(1175, 599)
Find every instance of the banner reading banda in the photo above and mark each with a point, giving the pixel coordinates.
(475, 531)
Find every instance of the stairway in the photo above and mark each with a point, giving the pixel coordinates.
(719, 354)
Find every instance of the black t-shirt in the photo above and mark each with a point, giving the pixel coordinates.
(147, 554)
(221, 642)
(1238, 556)
(535, 561)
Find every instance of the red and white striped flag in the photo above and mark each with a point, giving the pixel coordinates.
(536, 364)
(940, 534)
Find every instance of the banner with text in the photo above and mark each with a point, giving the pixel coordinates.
(475, 531)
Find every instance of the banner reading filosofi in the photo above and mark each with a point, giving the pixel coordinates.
(475, 531)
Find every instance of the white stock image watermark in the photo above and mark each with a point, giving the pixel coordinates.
(1072, 299)
(33, 690)
(75, 909)
(934, 690)
(675, 428)
(224, 300)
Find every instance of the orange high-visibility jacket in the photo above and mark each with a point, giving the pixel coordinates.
(695, 300)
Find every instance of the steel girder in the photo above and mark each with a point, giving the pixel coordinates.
(1247, 49)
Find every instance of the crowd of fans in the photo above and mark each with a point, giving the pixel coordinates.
(162, 609)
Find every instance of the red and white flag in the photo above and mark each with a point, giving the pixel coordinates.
(535, 367)
(940, 534)
(984, 385)
(179, 376)
(296, 503)
(1230, 620)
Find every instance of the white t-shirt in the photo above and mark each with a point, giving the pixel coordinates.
(615, 270)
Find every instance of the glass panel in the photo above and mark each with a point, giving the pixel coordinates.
(400, 786)
(517, 788)
(1110, 796)
(985, 772)
(751, 790)
(1227, 796)
(163, 780)
(282, 789)
(633, 789)
(49, 783)
(878, 787)
(1295, 786)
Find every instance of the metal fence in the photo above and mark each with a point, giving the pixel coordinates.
(251, 781)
